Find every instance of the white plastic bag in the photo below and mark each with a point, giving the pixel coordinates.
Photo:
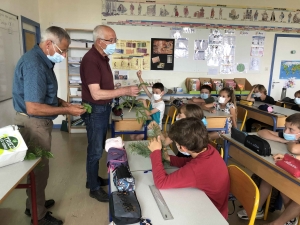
(12, 146)
(114, 142)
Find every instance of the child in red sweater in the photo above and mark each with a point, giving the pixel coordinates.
(206, 169)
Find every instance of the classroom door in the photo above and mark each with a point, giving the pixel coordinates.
(280, 72)
(31, 33)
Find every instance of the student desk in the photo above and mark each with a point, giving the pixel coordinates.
(265, 167)
(139, 163)
(127, 125)
(187, 205)
(12, 175)
(217, 121)
(275, 119)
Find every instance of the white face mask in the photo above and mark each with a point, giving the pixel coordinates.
(177, 118)
(156, 96)
(297, 101)
(221, 100)
(257, 94)
(184, 153)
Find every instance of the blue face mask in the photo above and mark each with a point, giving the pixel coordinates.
(56, 58)
(110, 49)
(203, 95)
(204, 121)
(289, 137)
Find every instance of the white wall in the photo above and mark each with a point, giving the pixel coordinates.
(79, 14)
(29, 9)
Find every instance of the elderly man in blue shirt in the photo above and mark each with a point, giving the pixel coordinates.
(36, 103)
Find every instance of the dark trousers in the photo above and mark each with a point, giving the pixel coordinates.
(96, 127)
(37, 133)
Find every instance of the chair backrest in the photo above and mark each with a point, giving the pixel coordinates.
(245, 191)
(279, 104)
(218, 147)
(242, 116)
(171, 115)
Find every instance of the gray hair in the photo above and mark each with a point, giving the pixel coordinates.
(55, 34)
(99, 32)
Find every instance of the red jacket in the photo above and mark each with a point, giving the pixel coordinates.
(207, 172)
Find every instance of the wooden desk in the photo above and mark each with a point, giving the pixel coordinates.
(187, 205)
(12, 175)
(265, 167)
(217, 121)
(275, 119)
(288, 105)
(138, 162)
(127, 125)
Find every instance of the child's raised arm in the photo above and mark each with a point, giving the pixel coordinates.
(249, 97)
(139, 75)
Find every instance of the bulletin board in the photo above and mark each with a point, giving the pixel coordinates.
(188, 64)
(10, 52)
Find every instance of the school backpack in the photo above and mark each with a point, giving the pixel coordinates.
(116, 157)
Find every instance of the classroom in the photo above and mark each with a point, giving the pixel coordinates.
(101, 103)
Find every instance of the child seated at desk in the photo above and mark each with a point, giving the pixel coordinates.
(205, 97)
(290, 137)
(260, 95)
(297, 101)
(206, 170)
(185, 111)
(226, 103)
(157, 106)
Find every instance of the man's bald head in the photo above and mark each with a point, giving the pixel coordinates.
(103, 32)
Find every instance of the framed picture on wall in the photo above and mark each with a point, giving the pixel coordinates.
(162, 54)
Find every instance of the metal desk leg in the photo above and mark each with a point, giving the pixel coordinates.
(33, 198)
(145, 131)
(226, 151)
(274, 123)
(113, 133)
(226, 126)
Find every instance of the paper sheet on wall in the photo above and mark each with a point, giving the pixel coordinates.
(254, 64)
(181, 48)
(131, 55)
(199, 49)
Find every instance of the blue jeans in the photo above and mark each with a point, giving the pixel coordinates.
(96, 127)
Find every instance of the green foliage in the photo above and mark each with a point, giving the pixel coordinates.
(87, 107)
(34, 152)
(140, 148)
(132, 102)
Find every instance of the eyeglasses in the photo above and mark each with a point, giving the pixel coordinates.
(112, 40)
(61, 52)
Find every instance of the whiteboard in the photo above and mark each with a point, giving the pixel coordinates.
(10, 52)
(242, 50)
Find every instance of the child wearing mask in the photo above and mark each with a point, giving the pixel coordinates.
(290, 136)
(157, 106)
(205, 170)
(297, 101)
(260, 94)
(226, 103)
(205, 97)
(185, 111)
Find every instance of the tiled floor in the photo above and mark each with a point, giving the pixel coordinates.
(67, 186)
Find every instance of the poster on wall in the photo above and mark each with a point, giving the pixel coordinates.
(162, 54)
(289, 69)
(131, 55)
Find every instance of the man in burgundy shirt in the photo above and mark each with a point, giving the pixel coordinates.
(98, 91)
(205, 170)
